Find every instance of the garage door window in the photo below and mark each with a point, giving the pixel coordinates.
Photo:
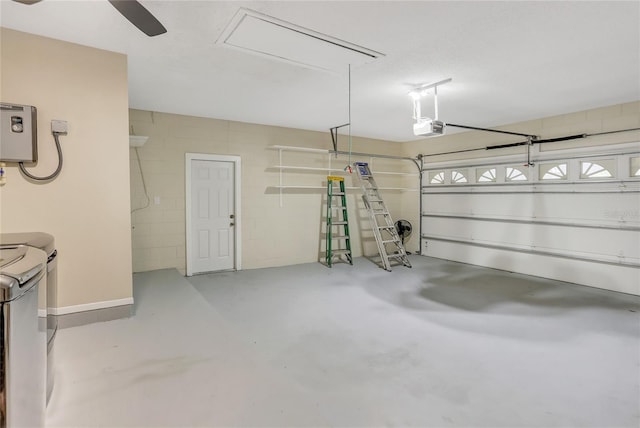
(515, 174)
(459, 177)
(553, 171)
(436, 177)
(597, 169)
(486, 175)
(635, 167)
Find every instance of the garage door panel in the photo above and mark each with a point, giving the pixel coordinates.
(540, 222)
(593, 209)
(607, 244)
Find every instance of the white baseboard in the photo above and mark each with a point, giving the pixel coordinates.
(63, 310)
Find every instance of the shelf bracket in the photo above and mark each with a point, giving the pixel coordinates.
(280, 165)
(334, 136)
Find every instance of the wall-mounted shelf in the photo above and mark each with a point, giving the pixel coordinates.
(309, 187)
(335, 170)
(299, 149)
(404, 189)
(281, 167)
(407, 174)
(307, 168)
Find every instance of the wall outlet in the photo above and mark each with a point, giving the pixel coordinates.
(59, 126)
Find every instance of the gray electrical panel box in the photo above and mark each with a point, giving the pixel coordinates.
(18, 133)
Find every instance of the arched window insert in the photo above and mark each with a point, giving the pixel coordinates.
(554, 172)
(487, 175)
(515, 174)
(635, 167)
(437, 178)
(600, 169)
(458, 177)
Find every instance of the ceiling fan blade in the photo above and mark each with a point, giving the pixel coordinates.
(27, 1)
(139, 16)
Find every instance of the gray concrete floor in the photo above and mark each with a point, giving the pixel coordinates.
(442, 344)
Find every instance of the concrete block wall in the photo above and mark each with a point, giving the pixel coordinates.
(272, 235)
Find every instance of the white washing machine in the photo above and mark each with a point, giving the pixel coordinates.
(46, 243)
(22, 338)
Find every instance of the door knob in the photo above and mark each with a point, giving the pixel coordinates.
(232, 224)
(231, 216)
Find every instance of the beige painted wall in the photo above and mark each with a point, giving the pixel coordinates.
(271, 235)
(610, 118)
(274, 235)
(87, 207)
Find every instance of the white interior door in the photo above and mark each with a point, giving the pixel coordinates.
(213, 217)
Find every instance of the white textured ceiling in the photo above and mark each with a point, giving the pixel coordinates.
(510, 61)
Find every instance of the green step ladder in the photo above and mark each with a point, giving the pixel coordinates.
(337, 232)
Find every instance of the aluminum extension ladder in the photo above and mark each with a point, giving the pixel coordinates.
(337, 231)
(389, 243)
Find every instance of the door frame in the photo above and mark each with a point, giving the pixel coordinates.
(237, 233)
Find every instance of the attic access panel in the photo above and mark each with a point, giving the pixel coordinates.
(266, 36)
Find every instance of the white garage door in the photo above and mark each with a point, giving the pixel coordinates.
(573, 215)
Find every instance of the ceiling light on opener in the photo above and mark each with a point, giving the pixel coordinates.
(425, 126)
(423, 90)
